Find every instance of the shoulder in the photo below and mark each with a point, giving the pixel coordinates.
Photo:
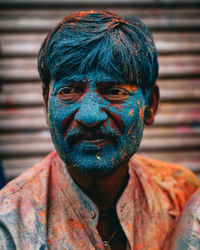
(178, 182)
(23, 204)
(30, 182)
(167, 171)
(192, 208)
(186, 234)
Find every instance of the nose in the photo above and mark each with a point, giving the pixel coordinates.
(90, 113)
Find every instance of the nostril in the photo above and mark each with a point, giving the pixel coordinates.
(91, 125)
(90, 118)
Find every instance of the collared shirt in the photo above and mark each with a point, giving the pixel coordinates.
(45, 209)
(187, 232)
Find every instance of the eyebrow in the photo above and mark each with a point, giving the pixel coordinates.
(71, 79)
(109, 84)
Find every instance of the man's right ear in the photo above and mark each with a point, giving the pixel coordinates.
(46, 99)
(47, 118)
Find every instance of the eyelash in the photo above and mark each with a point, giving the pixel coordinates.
(70, 88)
(125, 92)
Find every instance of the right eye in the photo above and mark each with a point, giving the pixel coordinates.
(66, 91)
(69, 93)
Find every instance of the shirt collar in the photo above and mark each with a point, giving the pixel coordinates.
(74, 193)
(87, 208)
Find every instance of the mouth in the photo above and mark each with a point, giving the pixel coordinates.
(98, 142)
(91, 139)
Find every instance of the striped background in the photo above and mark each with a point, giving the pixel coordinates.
(24, 135)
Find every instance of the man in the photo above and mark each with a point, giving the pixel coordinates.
(99, 75)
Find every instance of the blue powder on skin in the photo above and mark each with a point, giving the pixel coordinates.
(92, 108)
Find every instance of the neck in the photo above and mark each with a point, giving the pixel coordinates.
(103, 189)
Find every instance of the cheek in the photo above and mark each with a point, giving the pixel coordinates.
(136, 118)
(68, 122)
(131, 116)
(123, 115)
(116, 119)
(60, 114)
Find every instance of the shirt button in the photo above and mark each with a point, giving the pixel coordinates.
(92, 214)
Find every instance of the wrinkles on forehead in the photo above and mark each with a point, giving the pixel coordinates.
(96, 76)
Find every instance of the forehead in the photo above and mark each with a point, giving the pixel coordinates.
(95, 77)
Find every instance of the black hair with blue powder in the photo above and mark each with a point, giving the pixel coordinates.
(92, 40)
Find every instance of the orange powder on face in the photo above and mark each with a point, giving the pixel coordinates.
(130, 88)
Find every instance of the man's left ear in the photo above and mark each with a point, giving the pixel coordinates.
(152, 107)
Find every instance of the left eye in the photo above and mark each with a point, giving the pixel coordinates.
(117, 91)
(115, 94)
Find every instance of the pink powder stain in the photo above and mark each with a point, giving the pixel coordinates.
(184, 129)
(25, 209)
(194, 114)
(188, 129)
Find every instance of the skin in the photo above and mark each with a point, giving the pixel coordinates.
(96, 123)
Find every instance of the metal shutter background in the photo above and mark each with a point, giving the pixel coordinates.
(24, 135)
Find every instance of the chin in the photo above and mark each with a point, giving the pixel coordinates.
(100, 163)
(94, 163)
(98, 160)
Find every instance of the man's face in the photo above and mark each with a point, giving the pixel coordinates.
(96, 120)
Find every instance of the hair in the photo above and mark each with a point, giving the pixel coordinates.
(86, 41)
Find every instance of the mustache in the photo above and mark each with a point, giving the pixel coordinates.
(78, 134)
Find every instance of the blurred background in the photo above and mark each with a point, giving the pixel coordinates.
(24, 135)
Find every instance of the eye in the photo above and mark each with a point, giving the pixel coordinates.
(116, 94)
(70, 93)
(66, 91)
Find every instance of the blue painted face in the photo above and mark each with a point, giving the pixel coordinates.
(96, 121)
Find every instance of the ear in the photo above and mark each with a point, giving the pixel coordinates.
(46, 97)
(152, 107)
(46, 94)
